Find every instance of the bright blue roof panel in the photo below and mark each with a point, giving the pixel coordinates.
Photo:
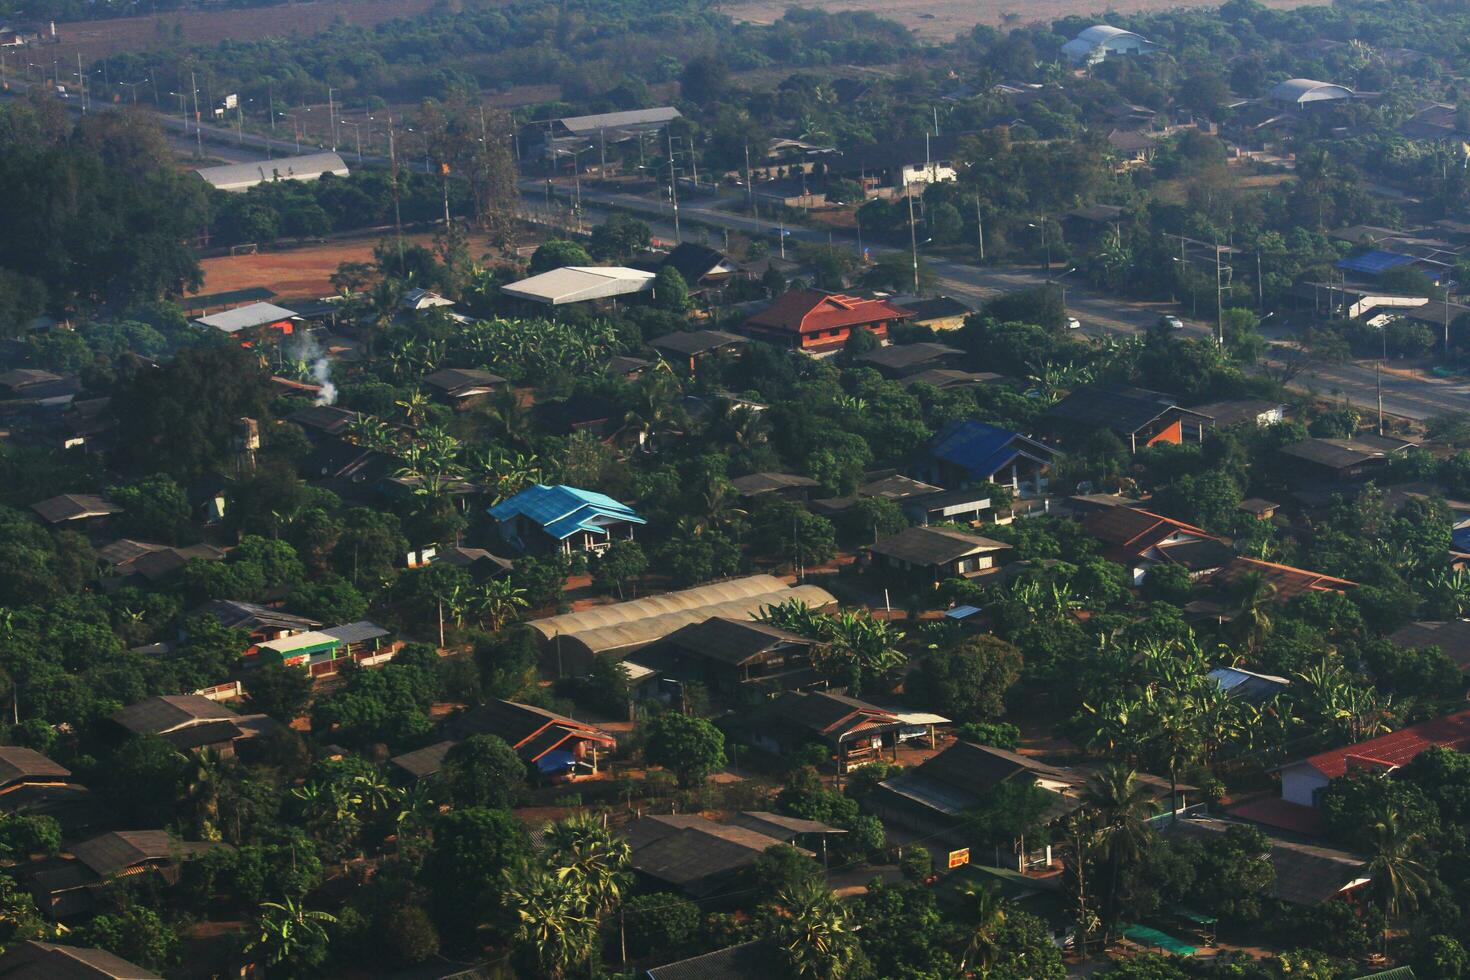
(563, 511)
(1374, 262)
(978, 448)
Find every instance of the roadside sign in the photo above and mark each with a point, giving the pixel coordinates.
(957, 858)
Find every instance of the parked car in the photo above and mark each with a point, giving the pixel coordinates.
(1073, 323)
(1171, 322)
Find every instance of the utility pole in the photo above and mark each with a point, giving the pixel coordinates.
(1260, 287)
(979, 228)
(673, 187)
(82, 81)
(332, 116)
(198, 136)
(1219, 304)
(749, 187)
(913, 238)
(1377, 376)
(397, 214)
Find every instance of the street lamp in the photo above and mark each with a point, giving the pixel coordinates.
(1045, 243)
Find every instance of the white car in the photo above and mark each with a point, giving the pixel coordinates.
(1073, 323)
(1173, 322)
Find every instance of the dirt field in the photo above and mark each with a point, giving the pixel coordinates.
(95, 39)
(293, 272)
(943, 19)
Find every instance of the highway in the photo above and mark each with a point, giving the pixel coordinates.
(1410, 397)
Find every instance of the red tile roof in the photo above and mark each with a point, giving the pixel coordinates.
(809, 310)
(1396, 748)
(1289, 582)
(1282, 814)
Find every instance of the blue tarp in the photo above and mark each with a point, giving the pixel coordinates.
(555, 761)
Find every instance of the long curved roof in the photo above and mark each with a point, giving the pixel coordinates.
(1298, 90)
(632, 634)
(658, 605)
(1098, 33)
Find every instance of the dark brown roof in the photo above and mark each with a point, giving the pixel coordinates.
(758, 960)
(1288, 582)
(323, 418)
(122, 849)
(897, 487)
(19, 763)
(758, 483)
(781, 826)
(167, 712)
(530, 730)
(47, 961)
(825, 713)
(1120, 408)
(250, 617)
(692, 343)
(1257, 505)
(73, 507)
(1237, 411)
(1305, 873)
(902, 357)
(424, 762)
(461, 382)
(1334, 453)
(949, 378)
(685, 849)
(732, 641)
(1452, 638)
(124, 550)
(925, 546)
(202, 734)
(974, 768)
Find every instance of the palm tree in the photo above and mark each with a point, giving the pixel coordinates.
(285, 927)
(582, 850)
(553, 923)
(1253, 623)
(202, 788)
(415, 406)
(816, 933)
(1120, 804)
(1399, 878)
(987, 912)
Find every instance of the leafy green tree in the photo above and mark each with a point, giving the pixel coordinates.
(142, 781)
(154, 509)
(816, 934)
(659, 922)
(555, 932)
(473, 847)
(619, 238)
(623, 563)
(692, 748)
(968, 682)
(484, 771)
(556, 253)
(670, 291)
(24, 834)
(138, 934)
(279, 691)
(290, 934)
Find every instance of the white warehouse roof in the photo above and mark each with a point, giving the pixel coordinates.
(632, 120)
(243, 176)
(1097, 40)
(579, 283)
(1295, 91)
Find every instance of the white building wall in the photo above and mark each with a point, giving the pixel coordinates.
(1300, 783)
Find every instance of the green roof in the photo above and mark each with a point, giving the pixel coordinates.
(1164, 941)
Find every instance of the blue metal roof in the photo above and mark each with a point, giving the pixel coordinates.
(563, 511)
(979, 449)
(1374, 262)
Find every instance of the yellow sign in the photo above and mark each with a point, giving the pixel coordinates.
(957, 858)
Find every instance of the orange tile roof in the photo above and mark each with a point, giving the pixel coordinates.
(810, 310)
(1130, 532)
(1289, 582)
(1396, 748)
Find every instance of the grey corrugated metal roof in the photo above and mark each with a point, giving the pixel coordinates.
(246, 317)
(239, 176)
(604, 121)
(656, 605)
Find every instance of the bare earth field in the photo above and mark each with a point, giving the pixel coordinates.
(943, 19)
(95, 39)
(292, 272)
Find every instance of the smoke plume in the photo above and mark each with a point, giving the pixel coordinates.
(305, 349)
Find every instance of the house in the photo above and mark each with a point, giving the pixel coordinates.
(1306, 874)
(191, 722)
(323, 420)
(945, 378)
(1300, 92)
(1136, 415)
(935, 798)
(1140, 539)
(731, 656)
(626, 368)
(581, 284)
(1284, 581)
(1343, 460)
(463, 388)
(967, 452)
(572, 640)
(76, 510)
(693, 854)
(936, 312)
(240, 177)
(348, 470)
(65, 888)
(691, 346)
(921, 503)
(562, 749)
(1452, 638)
(421, 300)
(1085, 223)
(1302, 782)
(35, 960)
(897, 167)
(582, 412)
(250, 318)
(1259, 508)
(759, 959)
(815, 322)
(1247, 685)
(1242, 411)
(422, 763)
(854, 731)
(481, 564)
(1101, 42)
(563, 518)
(323, 652)
(702, 267)
(898, 361)
(31, 783)
(128, 562)
(260, 623)
(933, 554)
(1134, 147)
(786, 485)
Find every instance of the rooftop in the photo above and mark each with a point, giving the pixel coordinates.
(577, 284)
(811, 310)
(74, 507)
(562, 511)
(246, 317)
(924, 546)
(692, 343)
(1394, 749)
(733, 641)
(35, 960)
(18, 763)
(166, 712)
(239, 176)
(1306, 874)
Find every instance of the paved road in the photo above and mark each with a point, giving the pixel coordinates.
(1409, 397)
